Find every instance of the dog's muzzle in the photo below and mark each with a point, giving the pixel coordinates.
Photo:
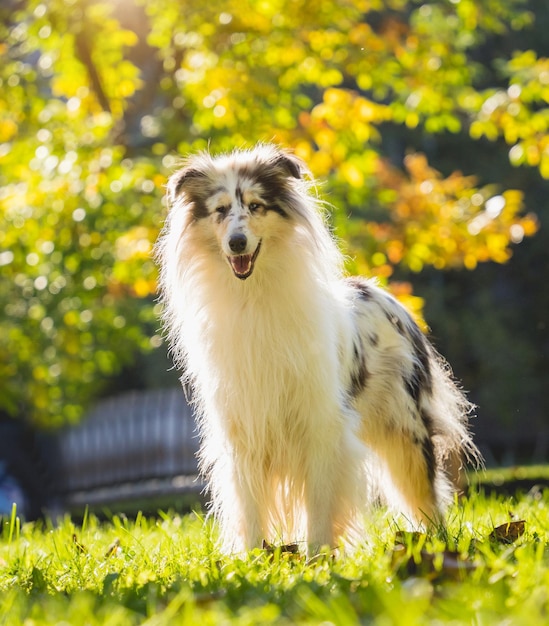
(241, 264)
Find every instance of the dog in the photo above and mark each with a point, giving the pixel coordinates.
(315, 393)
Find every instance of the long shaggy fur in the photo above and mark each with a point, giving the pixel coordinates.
(315, 393)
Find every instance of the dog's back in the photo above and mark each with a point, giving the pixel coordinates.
(413, 415)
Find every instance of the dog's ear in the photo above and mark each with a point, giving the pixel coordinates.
(291, 165)
(182, 177)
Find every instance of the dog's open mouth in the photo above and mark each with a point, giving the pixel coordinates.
(243, 264)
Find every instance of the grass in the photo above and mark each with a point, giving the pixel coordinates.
(167, 571)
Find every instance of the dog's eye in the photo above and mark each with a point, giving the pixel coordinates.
(222, 210)
(254, 206)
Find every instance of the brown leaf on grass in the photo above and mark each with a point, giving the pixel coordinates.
(427, 565)
(113, 549)
(288, 548)
(509, 532)
(79, 546)
(405, 537)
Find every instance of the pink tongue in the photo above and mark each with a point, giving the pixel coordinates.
(242, 263)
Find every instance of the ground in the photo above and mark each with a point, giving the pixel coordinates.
(490, 566)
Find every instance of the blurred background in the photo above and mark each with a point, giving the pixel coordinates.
(427, 123)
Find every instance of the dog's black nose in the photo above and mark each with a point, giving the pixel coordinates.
(238, 243)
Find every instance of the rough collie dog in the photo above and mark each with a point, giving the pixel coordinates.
(310, 388)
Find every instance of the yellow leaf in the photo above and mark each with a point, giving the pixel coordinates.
(544, 166)
(508, 533)
(8, 129)
(530, 225)
(352, 174)
(144, 288)
(412, 119)
(470, 261)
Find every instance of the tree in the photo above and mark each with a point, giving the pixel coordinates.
(97, 100)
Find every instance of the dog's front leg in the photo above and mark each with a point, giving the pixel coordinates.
(332, 487)
(320, 533)
(322, 494)
(246, 508)
(235, 506)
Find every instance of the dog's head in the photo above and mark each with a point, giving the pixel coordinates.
(243, 200)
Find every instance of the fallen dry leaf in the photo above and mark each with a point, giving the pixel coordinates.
(509, 532)
(288, 548)
(79, 546)
(430, 566)
(113, 549)
(405, 537)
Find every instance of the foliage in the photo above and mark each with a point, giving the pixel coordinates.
(97, 97)
(487, 567)
(79, 216)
